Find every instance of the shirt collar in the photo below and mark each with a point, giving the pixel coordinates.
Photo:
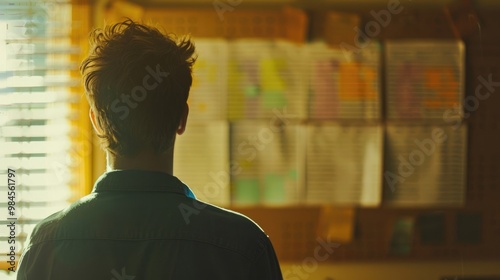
(141, 180)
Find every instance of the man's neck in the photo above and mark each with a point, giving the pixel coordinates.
(146, 160)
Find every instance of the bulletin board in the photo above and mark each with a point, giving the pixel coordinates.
(387, 228)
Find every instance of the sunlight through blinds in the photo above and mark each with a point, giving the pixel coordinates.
(36, 111)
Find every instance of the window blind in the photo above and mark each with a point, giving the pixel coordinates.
(38, 108)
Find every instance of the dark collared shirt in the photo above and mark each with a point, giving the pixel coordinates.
(141, 225)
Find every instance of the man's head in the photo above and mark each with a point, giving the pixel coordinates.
(137, 82)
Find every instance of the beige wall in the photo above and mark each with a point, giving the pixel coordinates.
(392, 270)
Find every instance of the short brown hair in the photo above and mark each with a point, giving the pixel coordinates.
(137, 82)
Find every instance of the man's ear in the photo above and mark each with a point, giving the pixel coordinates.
(182, 124)
(93, 120)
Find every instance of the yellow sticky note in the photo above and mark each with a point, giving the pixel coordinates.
(336, 224)
(236, 96)
(270, 77)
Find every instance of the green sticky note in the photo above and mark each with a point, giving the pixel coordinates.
(247, 191)
(274, 188)
(293, 174)
(401, 240)
(251, 91)
(273, 99)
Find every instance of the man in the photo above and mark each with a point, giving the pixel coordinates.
(136, 222)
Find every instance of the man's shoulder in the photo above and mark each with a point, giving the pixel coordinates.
(228, 229)
(49, 228)
(206, 213)
(45, 229)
